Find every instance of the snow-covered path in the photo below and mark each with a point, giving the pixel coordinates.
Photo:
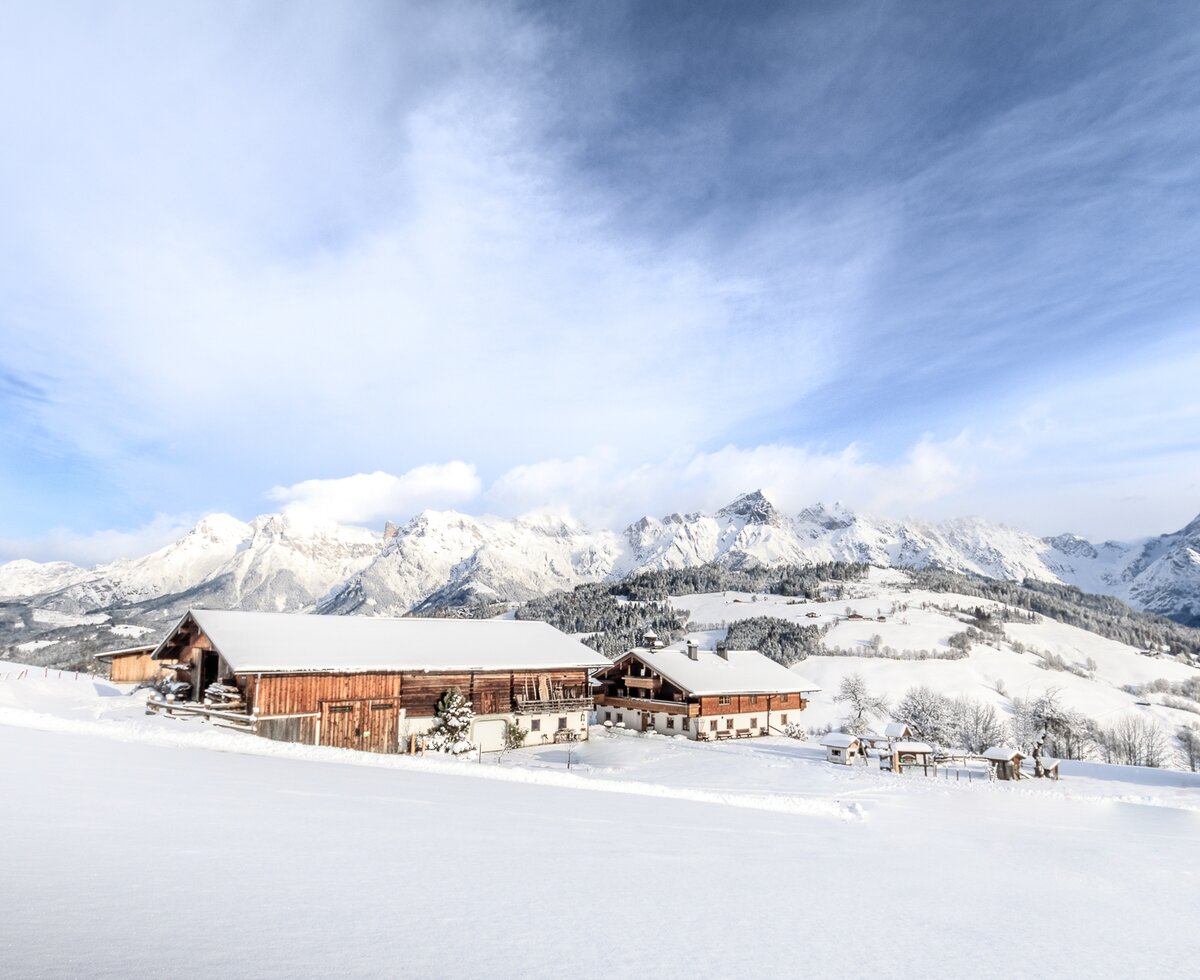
(124, 859)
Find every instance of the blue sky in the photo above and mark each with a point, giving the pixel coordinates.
(355, 260)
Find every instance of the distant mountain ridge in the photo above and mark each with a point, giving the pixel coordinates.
(446, 558)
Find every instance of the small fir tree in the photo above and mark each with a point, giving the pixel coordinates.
(451, 731)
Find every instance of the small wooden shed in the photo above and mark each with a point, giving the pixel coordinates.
(1005, 761)
(906, 754)
(842, 748)
(132, 665)
(898, 729)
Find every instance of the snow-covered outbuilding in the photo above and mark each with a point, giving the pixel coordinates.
(700, 694)
(371, 682)
(898, 729)
(842, 748)
(1005, 760)
(906, 754)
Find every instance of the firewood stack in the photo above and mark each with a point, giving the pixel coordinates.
(224, 696)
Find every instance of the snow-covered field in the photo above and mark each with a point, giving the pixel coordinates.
(135, 846)
(920, 620)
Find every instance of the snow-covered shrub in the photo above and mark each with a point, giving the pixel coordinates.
(451, 731)
(792, 730)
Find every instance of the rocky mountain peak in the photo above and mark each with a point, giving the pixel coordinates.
(753, 508)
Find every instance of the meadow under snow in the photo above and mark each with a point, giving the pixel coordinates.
(136, 846)
(995, 672)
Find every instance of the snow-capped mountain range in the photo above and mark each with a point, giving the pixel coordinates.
(444, 557)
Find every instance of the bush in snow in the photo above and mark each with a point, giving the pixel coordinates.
(451, 731)
(792, 730)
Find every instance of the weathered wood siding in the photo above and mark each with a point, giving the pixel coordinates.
(133, 668)
(744, 704)
(491, 692)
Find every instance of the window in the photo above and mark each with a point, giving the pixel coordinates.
(753, 722)
(783, 719)
(729, 723)
(620, 719)
(562, 724)
(836, 751)
(712, 725)
(754, 699)
(783, 698)
(686, 723)
(535, 725)
(723, 699)
(608, 716)
(340, 709)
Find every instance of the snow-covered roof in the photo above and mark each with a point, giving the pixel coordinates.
(896, 729)
(916, 748)
(738, 672)
(1002, 753)
(124, 652)
(838, 740)
(262, 642)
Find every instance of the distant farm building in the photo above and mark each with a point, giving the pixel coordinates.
(898, 729)
(701, 694)
(132, 665)
(842, 749)
(371, 683)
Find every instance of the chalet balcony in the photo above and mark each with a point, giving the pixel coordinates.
(647, 704)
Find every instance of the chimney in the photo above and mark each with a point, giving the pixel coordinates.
(693, 650)
(722, 650)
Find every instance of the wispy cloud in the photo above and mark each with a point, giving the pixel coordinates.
(243, 249)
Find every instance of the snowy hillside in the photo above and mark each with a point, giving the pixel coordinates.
(447, 558)
(978, 863)
(896, 637)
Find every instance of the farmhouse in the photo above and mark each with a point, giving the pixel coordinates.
(371, 683)
(702, 694)
(133, 665)
(842, 749)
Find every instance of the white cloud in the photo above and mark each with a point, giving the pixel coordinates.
(96, 547)
(369, 497)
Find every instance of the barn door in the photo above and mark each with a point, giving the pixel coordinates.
(341, 724)
(370, 726)
(381, 725)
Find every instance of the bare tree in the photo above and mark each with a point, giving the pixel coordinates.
(862, 703)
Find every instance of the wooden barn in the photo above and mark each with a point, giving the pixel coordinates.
(370, 683)
(701, 694)
(133, 665)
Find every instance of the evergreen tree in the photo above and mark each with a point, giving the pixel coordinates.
(451, 731)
